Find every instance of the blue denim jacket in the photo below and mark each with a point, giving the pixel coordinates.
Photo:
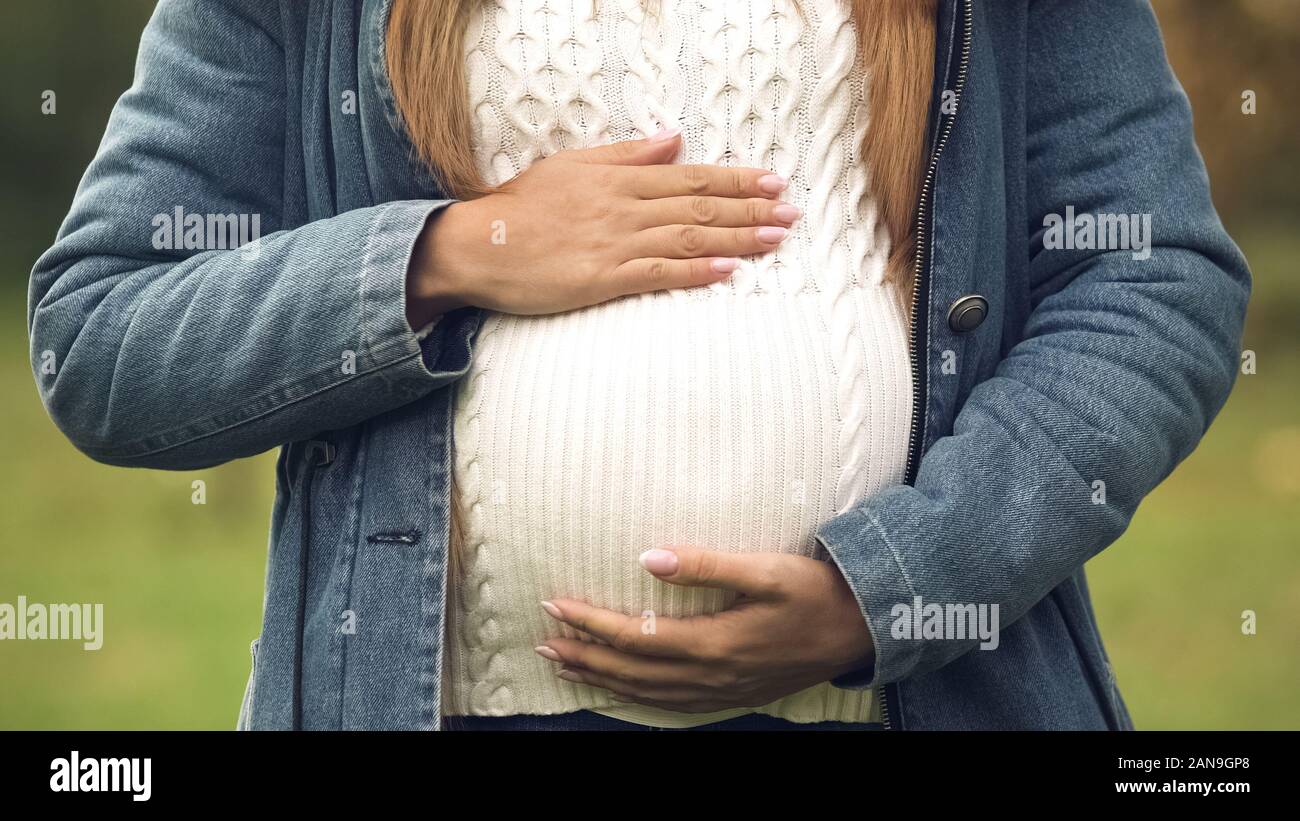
(1091, 366)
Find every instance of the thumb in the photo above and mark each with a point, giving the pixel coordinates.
(754, 574)
(654, 150)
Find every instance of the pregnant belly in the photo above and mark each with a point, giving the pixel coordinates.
(736, 422)
(729, 421)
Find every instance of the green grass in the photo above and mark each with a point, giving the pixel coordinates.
(1217, 538)
(181, 583)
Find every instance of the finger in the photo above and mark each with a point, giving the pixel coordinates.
(654, 150)
(639, 276)
(721, 212)
(696, 638)
(753, 574)
(684, 241)
(628, 667)
(705, 180)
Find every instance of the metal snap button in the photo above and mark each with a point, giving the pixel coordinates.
(967, 313)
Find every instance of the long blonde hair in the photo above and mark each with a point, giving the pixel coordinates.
(425, 58)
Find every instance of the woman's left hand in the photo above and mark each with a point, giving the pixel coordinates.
(794, 625)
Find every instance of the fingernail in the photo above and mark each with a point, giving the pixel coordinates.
(770, 233)
(724, 265)
(659, 562)
(771, 184)
(552, 610)
(568, 676)
(786, 212)
(665, 134)
(547, 653)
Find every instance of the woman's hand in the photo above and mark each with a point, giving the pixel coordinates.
(796, 624)
(582, 227)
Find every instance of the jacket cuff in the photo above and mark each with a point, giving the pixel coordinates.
(424, 332)
(411, 362)
(873, 568)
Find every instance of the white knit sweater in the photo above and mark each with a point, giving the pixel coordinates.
(738, 416)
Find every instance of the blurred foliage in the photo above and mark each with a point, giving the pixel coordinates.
(182, 583)
(1220, 49)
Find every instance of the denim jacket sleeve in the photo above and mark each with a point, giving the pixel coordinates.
(1118, 371)
(176, 358)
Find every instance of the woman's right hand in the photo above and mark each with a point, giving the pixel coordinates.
(585, 226)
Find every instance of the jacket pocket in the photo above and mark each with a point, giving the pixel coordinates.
(245, 721)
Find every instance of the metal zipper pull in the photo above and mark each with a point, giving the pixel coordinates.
(319, 452)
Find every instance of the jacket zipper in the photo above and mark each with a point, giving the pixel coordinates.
(920, 285)
(319, 453)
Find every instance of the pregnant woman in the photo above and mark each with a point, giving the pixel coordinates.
(681, 416)
(656, 365)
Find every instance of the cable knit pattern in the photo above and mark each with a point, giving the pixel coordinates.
(738, 416)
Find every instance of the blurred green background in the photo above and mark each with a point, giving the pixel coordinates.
(182, 583)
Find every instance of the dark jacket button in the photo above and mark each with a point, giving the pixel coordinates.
(967, 313)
